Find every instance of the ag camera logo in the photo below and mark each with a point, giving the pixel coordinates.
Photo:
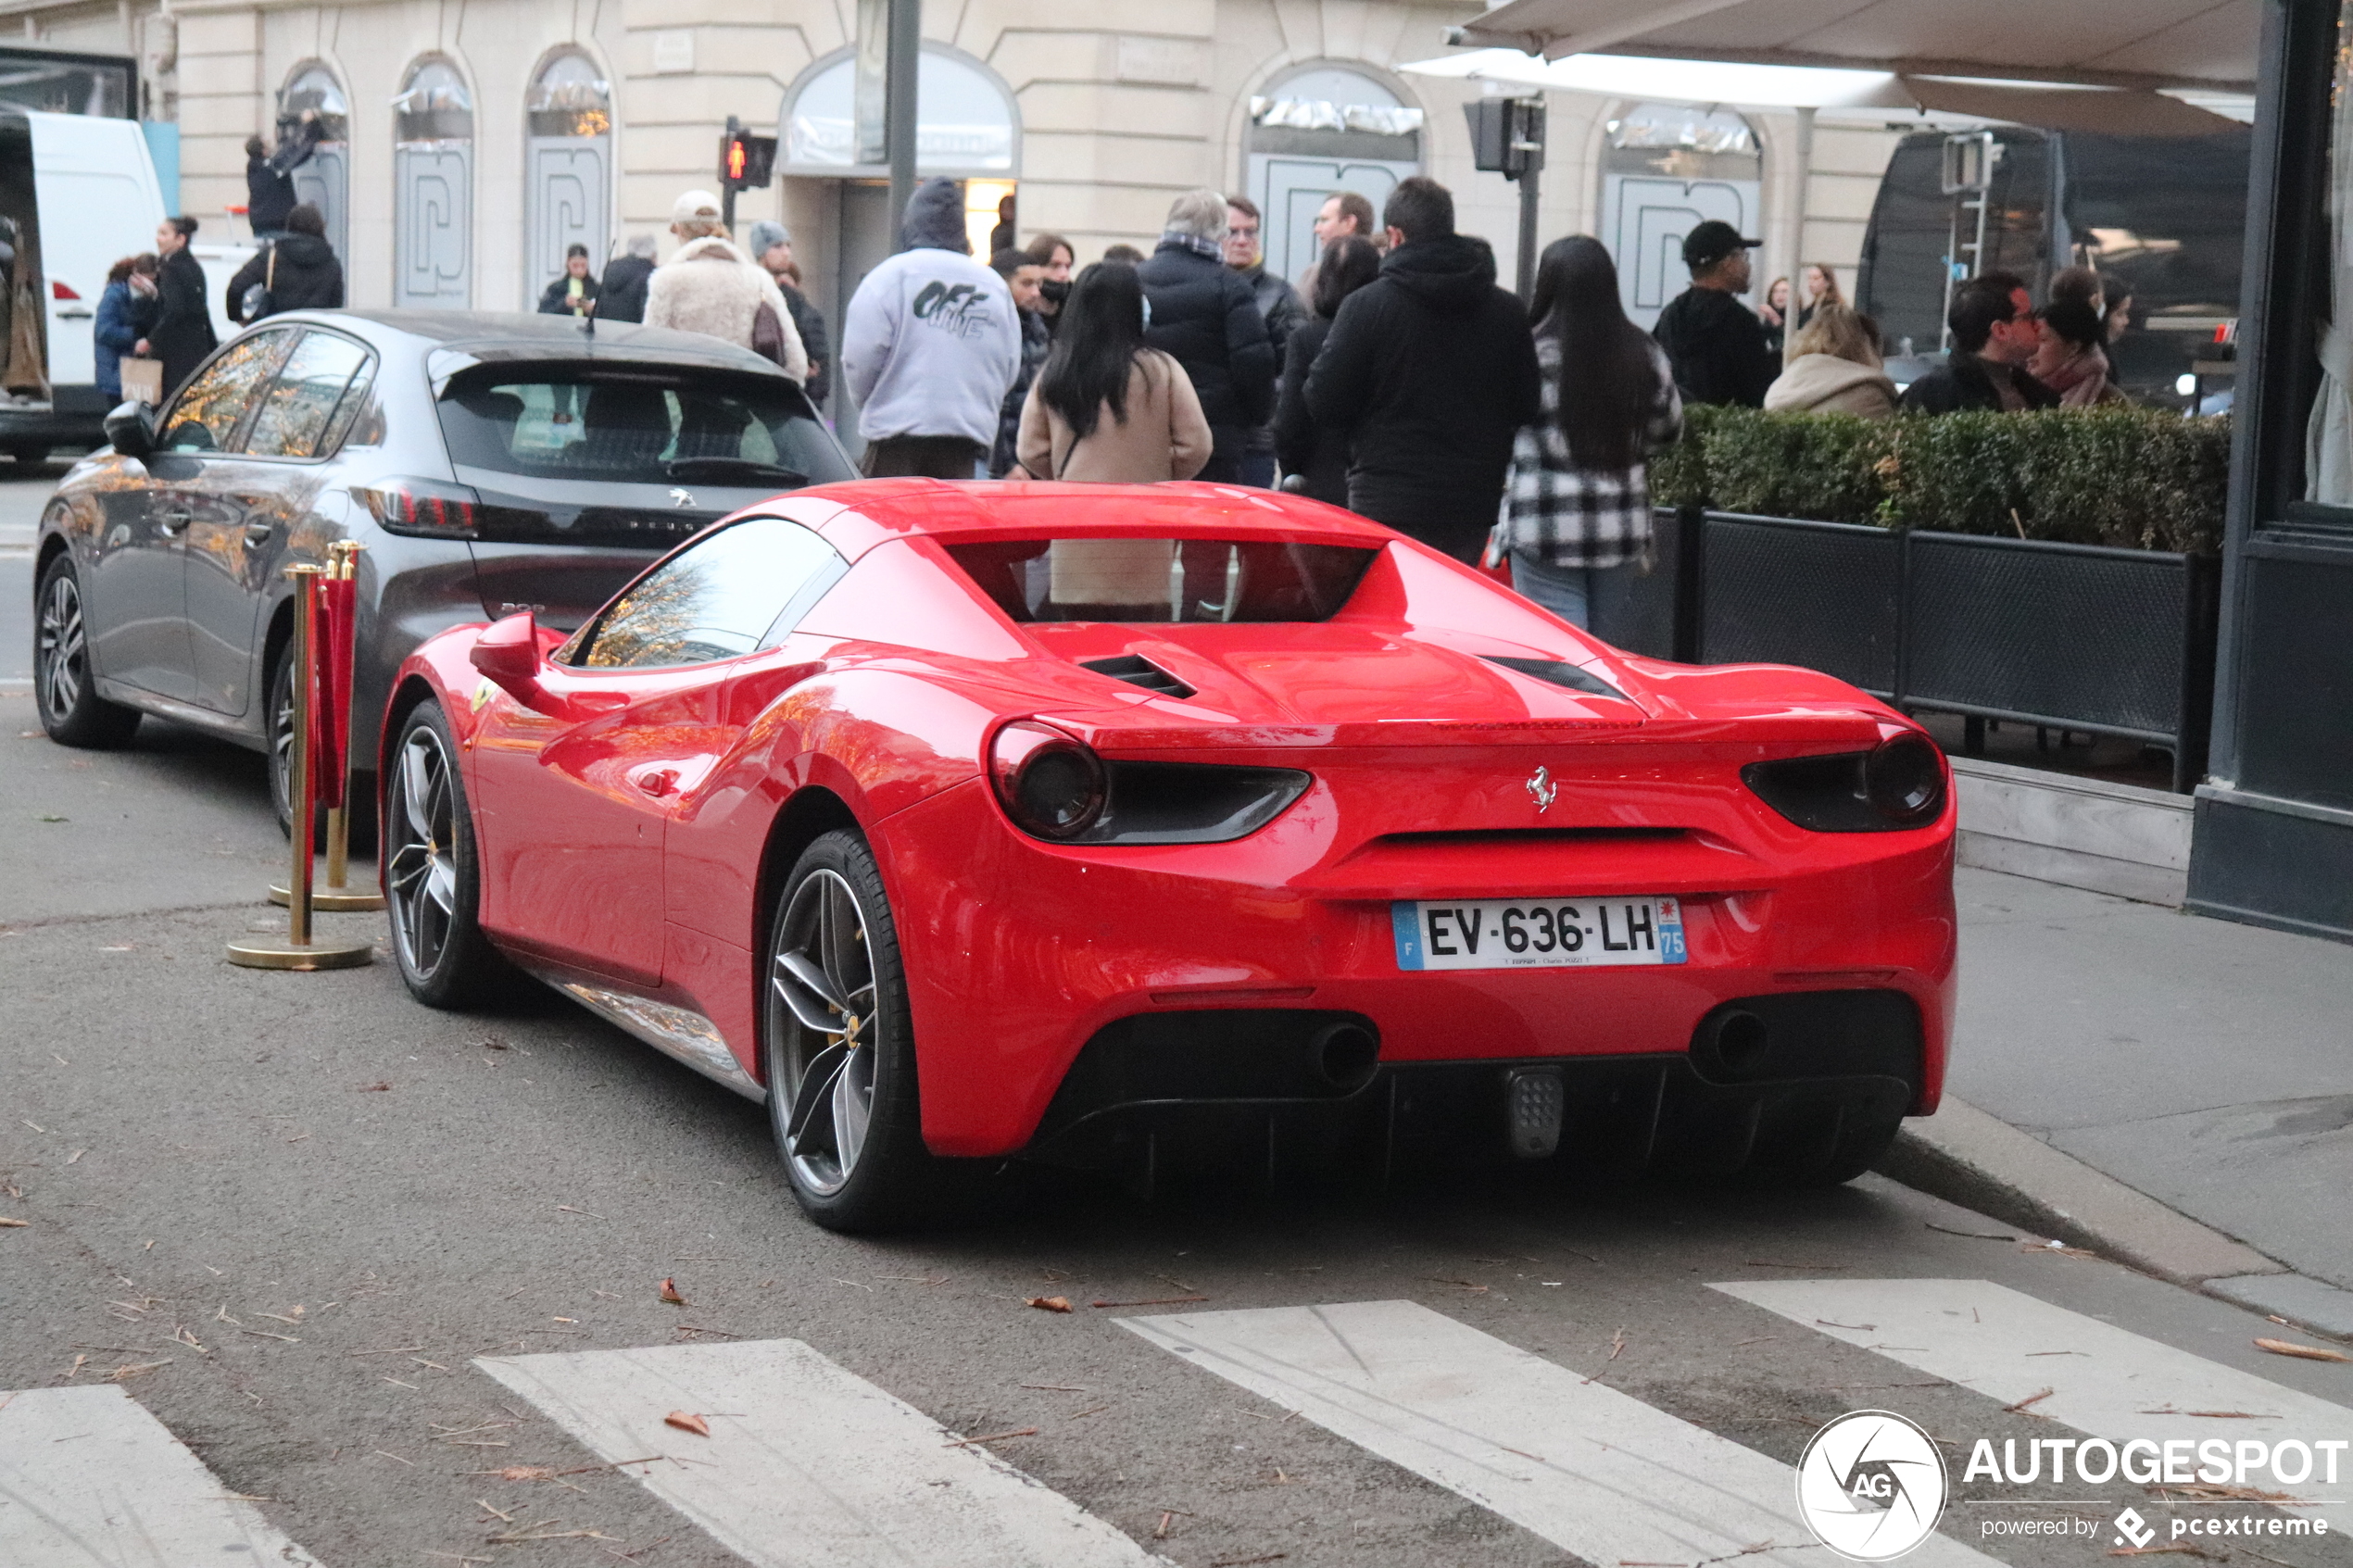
(1871, 1485)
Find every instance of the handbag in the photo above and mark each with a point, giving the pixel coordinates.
(260, 298)
(143, 380)
(768, 335)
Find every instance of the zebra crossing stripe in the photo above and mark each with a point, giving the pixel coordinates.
(808, 1466)
(89, 1479)
(2010, 1346)
(1595, 1472)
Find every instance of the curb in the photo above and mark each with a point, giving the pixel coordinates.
(1965, 1156)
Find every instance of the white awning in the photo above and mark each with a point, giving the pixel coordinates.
(2145, 44)
(2115, 111)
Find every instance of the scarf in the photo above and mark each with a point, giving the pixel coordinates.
(1193, 242)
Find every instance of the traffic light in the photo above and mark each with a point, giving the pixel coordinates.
(1507, 135)
(746, 162)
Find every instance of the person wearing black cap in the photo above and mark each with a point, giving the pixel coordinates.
(1715, 343)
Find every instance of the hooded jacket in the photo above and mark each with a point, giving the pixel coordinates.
(1824, 383)
(708, 287)
(1429, 372)
(621, 293)
(123, 317)
(1205, 316)
(929, 344)
(308, 276)
(1718, 347)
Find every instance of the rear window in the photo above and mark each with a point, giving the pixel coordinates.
(637, 427)
(1166, 580)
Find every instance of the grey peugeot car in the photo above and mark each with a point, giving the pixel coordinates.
(488, 464)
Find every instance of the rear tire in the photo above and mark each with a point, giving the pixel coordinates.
(65, 685)
(838, 1052)
(433, 872)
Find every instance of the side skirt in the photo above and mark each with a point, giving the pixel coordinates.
(678, 1032)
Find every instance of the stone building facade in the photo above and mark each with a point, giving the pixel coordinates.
(473, 139)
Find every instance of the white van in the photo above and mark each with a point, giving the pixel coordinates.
(83, 193)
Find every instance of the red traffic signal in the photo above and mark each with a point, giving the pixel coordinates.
(746, 161)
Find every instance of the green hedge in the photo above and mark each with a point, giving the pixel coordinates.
(2130, 477)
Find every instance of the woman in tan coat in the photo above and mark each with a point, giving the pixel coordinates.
(1104, 408)
(1834, 369)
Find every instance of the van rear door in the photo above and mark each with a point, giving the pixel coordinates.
(99, 202)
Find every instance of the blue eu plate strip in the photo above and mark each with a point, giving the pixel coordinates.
(1406, 917)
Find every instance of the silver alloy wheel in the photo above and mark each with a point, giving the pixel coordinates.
(421, 880)
(62, 649)
(281, 737)
(821, 1013)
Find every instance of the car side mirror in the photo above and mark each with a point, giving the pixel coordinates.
(509, 655)
(131, 429)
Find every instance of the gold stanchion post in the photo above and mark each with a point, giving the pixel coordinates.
(335, 898)
(296, 949)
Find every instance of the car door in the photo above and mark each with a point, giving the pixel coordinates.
(573, 797)
(253, 510)
(138, 601)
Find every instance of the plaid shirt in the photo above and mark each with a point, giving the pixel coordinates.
(1572, 516)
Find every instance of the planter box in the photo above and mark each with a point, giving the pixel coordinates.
(2067, 636)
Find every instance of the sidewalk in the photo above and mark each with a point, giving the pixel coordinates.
(2205, 1064)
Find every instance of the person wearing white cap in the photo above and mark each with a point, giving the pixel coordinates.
(707, 286)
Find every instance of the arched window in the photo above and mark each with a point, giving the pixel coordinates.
(1665, 168)
(1322, 128)
(324, 179)
(568, 178)
(966, 122)
(433, 189)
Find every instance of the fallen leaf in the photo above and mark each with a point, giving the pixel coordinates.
(669, 1292)
(525, 1472)
(2309, 1352)
(7, 1223)
(373, 1088)
(687, 1420)
(1050, 1303)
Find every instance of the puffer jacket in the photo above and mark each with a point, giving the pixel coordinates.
(1205, 316)
(1429, 372)
(308, 277)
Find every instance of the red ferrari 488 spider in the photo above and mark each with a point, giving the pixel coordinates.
(1109, 826)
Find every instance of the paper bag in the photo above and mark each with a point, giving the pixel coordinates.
(143, 379)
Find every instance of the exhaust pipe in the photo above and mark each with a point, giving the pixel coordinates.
(1344, 1055)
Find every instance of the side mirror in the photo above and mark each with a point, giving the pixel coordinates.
(131, 429)
(509, 653)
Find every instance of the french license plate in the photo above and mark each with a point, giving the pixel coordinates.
(1537, 933)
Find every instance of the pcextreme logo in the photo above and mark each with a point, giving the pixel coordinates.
(1871, 1485)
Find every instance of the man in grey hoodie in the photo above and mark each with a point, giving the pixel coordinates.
(928, 347)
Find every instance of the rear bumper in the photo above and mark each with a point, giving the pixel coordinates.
(1019, 955)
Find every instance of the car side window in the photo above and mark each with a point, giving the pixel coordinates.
(304, 404)
(204, 416)
(721, 599)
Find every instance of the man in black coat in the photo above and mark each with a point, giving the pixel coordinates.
(1278, 303)
(621, 293)
(1430, 372)
(304, 276)
(183, 334)
(1206, 316)
(1995, 331)
(1715, 343)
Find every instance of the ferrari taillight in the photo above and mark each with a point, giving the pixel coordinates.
(1051, 784)
(1898, 783)
(424, 508)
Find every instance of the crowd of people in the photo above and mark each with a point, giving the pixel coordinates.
(1394, 377)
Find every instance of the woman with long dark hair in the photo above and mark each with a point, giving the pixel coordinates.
(1105, 407)
(1577, 509)
(1317, 457)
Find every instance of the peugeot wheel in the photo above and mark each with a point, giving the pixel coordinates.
(433, 881)
(838, 1052)
(63, 683)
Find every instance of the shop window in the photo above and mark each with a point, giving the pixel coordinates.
(967, 121)
(1665, 168)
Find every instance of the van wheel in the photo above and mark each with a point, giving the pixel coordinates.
(29, 457)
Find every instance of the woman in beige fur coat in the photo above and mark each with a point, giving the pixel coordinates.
(1104, 408)
(707, 286)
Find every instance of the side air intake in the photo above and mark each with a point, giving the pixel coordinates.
(1138, 671)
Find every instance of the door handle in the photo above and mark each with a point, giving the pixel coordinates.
(657, 781)
(258, 533)
(172, 520)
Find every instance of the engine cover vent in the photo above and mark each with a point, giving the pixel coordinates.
(1138, 671)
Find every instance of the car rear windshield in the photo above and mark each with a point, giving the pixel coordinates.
(650, 426)
(1166, 580)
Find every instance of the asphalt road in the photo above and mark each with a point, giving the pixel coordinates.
(286, 1214)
